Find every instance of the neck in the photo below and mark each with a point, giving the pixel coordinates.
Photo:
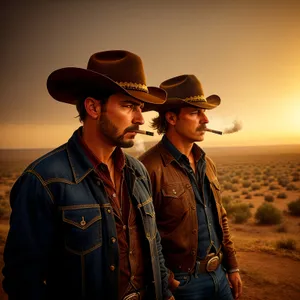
(97, 144)
(183, 145)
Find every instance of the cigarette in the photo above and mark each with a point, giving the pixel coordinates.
(214, 131)
(144, 132)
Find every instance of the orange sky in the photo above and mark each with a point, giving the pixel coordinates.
(246, 51)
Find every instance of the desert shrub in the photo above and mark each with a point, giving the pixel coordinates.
(226, 200)
(273, 187)
(288, 244)
(240, 212)
(227, 186)
(268, 214)
(269, 198)
(291, 187)
(281, 229)
(250, 205)
(244, 192)
(296, 176)
(234, 188)
(236, 196)
(4, 208)
(235, 180)
(258, 194)
(294, 207)
(282, 195)
(255, 187)
(256, 171)
(283, 181)
(248, 196)
(246, 183)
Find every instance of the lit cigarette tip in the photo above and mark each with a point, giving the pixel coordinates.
(145, 132)
(214, 131)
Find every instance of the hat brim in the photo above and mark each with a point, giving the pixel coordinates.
(172, 103)
(71, 84)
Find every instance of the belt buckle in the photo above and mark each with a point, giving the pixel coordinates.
(132, 296)
(213, 264)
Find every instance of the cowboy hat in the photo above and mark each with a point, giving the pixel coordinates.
(186, 90)
(107, 73)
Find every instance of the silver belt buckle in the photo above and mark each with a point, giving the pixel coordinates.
(132, 296)
(213, 264)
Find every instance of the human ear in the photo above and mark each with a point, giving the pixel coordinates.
(171, 117)
(92, 107)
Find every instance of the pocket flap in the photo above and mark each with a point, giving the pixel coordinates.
(174, 190)
(82, 218)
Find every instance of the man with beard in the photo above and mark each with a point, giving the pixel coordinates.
(192, 221)
(83, 224)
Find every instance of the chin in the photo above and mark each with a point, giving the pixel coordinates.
(126, 144)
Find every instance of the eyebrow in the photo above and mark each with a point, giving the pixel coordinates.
(136, 103)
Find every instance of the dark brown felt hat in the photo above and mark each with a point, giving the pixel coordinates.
(107, 73)
(186, 90)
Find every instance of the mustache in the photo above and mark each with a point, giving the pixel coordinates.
(131, 128)
(201, 128)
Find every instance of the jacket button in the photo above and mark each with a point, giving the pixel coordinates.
(174, 192)
(132, 278)
(109, 211)
(113, 240)
(187, 185)
(193, 253)
(194, 231)
(124, 227)
(130, 252)
(193, 207)
(112, 267)
(114, 195)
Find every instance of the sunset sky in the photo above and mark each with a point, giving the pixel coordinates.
(246, 51)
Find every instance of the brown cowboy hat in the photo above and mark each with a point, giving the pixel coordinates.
(107, 73)
(186, 90)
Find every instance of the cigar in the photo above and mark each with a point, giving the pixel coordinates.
(214, 131)
(144, 132)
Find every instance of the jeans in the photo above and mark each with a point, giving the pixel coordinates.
(204, 286)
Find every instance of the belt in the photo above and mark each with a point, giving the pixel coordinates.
(138, 295)
(133, 296)
(209, 264)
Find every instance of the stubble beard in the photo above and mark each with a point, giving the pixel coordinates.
(110, 131)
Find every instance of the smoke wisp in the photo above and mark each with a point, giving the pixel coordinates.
(139, 146)
(237, 126)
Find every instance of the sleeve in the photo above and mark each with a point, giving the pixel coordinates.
(29, 238)
(163, 270)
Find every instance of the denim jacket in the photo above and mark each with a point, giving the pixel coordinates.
(59, 244)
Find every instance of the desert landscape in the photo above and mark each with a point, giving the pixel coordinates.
(261, 192)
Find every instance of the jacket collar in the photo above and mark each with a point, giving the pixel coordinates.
(81, 165)
(170, 153)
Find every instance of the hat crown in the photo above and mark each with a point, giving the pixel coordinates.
(119, 65)
(183, 87)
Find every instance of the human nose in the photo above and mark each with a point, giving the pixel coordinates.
(138, 117)
(204, 119)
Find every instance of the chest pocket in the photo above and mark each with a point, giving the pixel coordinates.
(82, 228)
(175, 200)
(148, 218)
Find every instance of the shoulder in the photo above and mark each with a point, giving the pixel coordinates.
(134, 163)
(210, 163)
(152, 156)
(52, 164)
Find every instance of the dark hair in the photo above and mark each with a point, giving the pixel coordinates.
(160, 123)
(81, 108)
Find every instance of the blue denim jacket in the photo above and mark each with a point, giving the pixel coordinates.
(61, 227)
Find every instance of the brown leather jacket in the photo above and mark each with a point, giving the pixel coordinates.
(178, 224)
